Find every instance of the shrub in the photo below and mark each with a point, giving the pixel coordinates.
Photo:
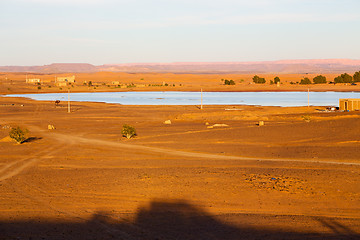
(276, 80)
(257, 79)
(229, 82)
(319, 79)
(306, 118)
(305, 81)
(128, 131)
(18, 134)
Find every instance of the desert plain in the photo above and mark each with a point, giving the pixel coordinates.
(212, 173)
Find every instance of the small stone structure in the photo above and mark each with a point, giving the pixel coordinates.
(65, 79)
(167, 122)
(33, 80)
(349, 104)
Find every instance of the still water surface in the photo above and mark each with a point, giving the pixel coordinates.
(284, 99)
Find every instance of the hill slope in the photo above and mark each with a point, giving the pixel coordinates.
(283, 66)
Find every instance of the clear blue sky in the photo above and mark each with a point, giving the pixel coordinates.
(38, 32)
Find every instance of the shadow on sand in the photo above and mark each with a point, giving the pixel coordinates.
(31, 139)
(165, 220)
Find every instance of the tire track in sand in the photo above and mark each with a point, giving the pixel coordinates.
(14, 168)
(98, 142)
(17, 167)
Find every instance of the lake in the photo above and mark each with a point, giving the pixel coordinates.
(283, 99)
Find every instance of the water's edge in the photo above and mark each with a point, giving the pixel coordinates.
(282, 99)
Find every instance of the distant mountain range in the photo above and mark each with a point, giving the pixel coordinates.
(283, 66)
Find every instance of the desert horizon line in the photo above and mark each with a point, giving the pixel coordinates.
(295, 60)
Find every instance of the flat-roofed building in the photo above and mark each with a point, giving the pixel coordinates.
(349, 104)
(65, 79)
(33, 80)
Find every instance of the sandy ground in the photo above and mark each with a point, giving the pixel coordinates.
(110, 81)
(288, 179)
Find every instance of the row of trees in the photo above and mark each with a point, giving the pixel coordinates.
(320, 79)
(257, 79)
(316, 80)
(343, 78)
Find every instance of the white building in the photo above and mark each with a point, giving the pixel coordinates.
(33, 80)
(65, 79)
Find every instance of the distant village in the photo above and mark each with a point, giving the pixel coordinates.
(59, 81)
(70, 80)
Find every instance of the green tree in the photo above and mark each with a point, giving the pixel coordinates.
(338, 79)
(305, 81)
(229, 82)
(343, 78)
(128, 131)
(347, 78)
(257, 79)
(357, 77)
(276, 80)
(319, 79)
(18, 134)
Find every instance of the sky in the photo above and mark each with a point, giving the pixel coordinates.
(39, 32)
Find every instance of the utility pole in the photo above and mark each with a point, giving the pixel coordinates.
(201, 100)
(69, 100)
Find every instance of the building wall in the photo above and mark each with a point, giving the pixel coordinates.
(32, 80)
(349, 104)
(66, 79)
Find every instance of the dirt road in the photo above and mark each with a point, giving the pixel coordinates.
(179, 181)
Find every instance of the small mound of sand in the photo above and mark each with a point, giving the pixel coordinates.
(7, 139)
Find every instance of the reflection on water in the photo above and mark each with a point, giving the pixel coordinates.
(284, 99)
